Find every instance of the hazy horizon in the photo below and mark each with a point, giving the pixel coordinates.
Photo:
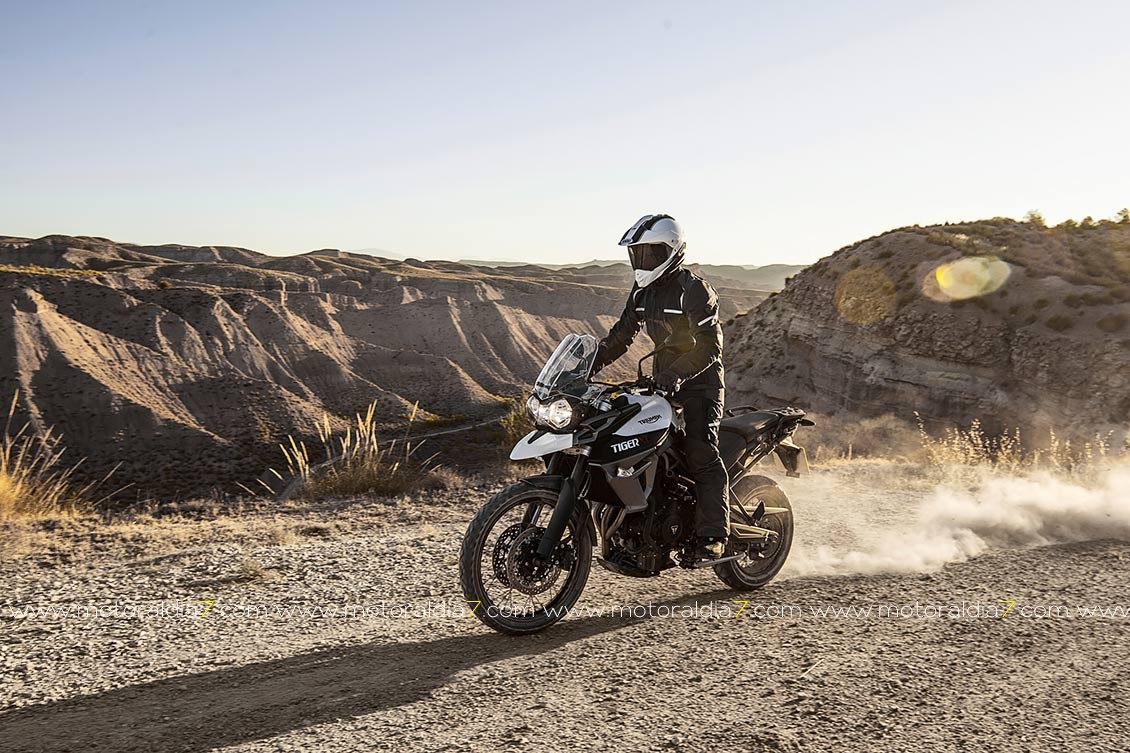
(511, 132)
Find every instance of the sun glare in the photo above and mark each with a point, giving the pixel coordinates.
(967, 277)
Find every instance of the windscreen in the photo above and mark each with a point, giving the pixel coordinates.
(569, 365)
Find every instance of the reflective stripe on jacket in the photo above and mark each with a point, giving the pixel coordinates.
(681, 301)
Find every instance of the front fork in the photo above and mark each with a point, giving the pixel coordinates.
(566, 503)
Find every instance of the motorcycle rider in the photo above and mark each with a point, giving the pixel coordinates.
(668, 298)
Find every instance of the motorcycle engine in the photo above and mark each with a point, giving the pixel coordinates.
(671, 520)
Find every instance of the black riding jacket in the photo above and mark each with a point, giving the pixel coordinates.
(680, 301)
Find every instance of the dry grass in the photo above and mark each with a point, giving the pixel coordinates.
(356, 463)
(515, 423)
(35, 482)
(282, 535)
(1007, 452)
(251, 569)
(836, 438)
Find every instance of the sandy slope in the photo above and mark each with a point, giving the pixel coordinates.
(434, 679)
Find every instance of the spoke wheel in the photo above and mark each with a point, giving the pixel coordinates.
(509, 587)
(760, 562)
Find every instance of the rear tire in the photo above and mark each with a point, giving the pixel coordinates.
(495, 613)
(748, 574)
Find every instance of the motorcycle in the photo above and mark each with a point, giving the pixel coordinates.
(615, 475)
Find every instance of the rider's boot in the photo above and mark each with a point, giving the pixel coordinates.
(710, 547)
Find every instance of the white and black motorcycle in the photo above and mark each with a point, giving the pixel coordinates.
(615, 473)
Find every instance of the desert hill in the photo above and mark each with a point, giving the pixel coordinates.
(189, 364)
(769, 277)
(1010, 322)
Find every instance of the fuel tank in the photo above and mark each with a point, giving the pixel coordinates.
(630, 456)
(655, 414)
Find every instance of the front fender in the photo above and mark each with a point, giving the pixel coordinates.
(534, 446)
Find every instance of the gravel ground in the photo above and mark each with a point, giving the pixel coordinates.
(341, 627)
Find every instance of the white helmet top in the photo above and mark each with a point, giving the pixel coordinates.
(655, 247)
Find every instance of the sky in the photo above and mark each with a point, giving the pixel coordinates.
(774, 132)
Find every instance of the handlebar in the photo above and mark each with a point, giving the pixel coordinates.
(640, 384)
(647, 383)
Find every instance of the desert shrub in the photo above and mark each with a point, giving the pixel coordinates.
(515, 423)
(1007, 451)
(1072, 300)
(1112, 322)
(1059, 323)
(35, 482)
(848, 437)
(1078, 278)
(35, 269)
(1097, 299)
(354, 462)
(164, 284)
(1041, 303)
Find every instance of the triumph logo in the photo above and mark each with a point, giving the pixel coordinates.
(621, 446)
(649, 419)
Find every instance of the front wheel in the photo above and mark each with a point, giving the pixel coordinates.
(504, 582)
(760, 563)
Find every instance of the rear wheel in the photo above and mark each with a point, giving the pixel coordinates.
(760, 562)
(504, 582)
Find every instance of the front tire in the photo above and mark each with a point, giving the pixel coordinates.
(762, 564)
(494, 561)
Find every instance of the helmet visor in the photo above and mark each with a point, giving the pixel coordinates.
(648, 256)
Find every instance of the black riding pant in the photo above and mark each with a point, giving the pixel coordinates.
(702, 410)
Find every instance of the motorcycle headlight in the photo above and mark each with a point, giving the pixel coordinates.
(557, 414)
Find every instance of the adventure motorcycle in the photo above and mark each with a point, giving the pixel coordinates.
(614, 466)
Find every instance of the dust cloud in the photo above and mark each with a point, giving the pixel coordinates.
(1001, 512)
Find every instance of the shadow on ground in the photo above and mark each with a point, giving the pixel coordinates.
(199, 712)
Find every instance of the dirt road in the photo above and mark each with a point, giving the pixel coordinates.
(341, 628)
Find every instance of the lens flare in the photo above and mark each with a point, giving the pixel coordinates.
(967, 277)
(865, 296)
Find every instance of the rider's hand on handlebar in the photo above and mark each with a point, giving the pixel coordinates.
(666, 384)
(650, 384)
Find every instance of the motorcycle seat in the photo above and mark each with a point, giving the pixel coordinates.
(750, 425)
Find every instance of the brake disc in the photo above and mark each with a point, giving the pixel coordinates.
(525, 571)
(502, 549)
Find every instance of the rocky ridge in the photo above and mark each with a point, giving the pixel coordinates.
(1011, 323)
